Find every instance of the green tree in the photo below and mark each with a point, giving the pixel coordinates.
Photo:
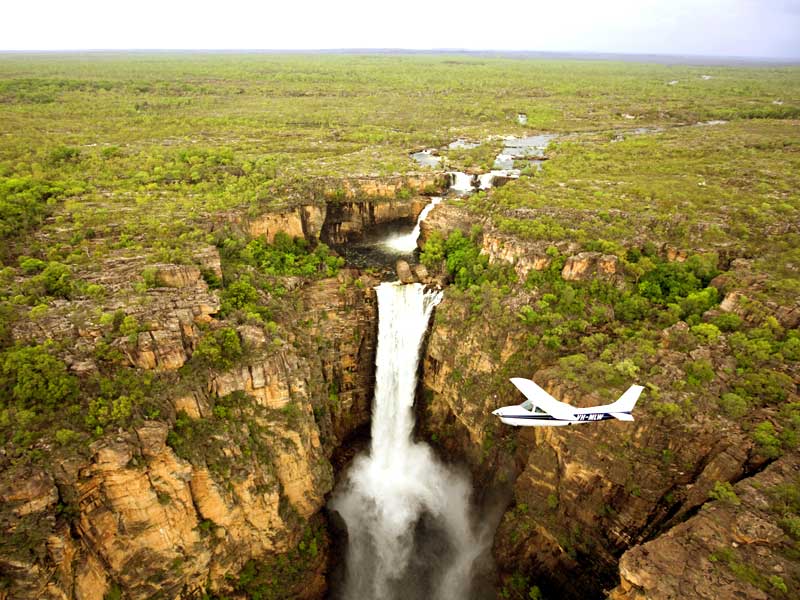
(33, 377)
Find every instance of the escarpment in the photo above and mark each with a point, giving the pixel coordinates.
(229, 466)
(583, 496)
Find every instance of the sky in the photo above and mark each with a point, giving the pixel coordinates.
(747, 28)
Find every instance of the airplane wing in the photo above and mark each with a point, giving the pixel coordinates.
(559, 410)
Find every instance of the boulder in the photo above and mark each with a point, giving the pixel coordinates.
(404, 272)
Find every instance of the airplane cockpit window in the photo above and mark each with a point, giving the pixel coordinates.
(527, 405)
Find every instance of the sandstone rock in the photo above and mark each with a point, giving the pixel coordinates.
(404, 273)
(421, 273)
(698, 558)
(675, 255)
(177, 276)
(268, 224)
(525, 257)
(586, 265)
(208, 258)
(386, 187)
(31, 494)
(734, 302)
(192, 406)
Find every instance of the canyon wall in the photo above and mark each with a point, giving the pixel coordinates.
(232, 469)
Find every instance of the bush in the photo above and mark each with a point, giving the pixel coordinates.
(63, 154)
(764, 387)
(34, 378)
(291, 256)
(31, 266)
(766, 440)
(707, 332)
(723, 491)
(733, 405)
(699, 372)
(727, 322)
(218, 349)
(24, 202)
(239, 295)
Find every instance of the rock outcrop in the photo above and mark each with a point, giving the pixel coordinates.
(229, 472)
(583, 495)
(348, 221)
(731, 549)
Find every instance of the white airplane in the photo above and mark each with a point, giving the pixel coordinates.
(541, 409)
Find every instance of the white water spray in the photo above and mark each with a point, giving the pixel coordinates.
(408, 243)
(389, 492)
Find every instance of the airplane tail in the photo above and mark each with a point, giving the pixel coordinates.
(621, 409)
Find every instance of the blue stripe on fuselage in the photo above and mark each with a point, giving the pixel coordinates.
(578, 418)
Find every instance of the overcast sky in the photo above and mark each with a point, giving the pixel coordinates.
(756, 28)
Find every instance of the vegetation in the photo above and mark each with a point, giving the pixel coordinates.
(112, 165)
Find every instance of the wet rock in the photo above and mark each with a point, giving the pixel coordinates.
(404, 273)
(348, 221)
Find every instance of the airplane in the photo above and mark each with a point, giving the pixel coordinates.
(542, 410)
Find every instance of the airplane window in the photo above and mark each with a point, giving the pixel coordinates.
(527, 405)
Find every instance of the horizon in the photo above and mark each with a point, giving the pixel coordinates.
(642, 57)
(761, 29)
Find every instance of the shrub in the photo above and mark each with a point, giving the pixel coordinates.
(723, 491)
(707, 332)
(727, 322)
(733, 405)
(63, 154)
(766, 440)
(764, 387)
(149, 276)
(291, 256)
(34, 378)
(667, 410)
(239, 295)
(57, 279)
(699, 372)
(218, 349)
(31, 266)
(24, 202)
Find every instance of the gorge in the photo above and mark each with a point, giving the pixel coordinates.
(189, 401)
(387, 494)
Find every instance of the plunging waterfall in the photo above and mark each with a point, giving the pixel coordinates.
(408, 243)
(407, 514)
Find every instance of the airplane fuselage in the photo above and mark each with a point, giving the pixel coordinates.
(523, 418)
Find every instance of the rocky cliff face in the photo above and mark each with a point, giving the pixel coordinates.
(731, 549)
(342, 210)
(581, 496)
(231, 470)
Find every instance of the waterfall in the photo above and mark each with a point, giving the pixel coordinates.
(407, 514)
(462, 183)
(408, 243)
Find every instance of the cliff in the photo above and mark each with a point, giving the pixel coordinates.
(582, 496)
(230, 468)
(741, 545)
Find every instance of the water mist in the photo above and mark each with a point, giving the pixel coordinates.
(407, 514)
